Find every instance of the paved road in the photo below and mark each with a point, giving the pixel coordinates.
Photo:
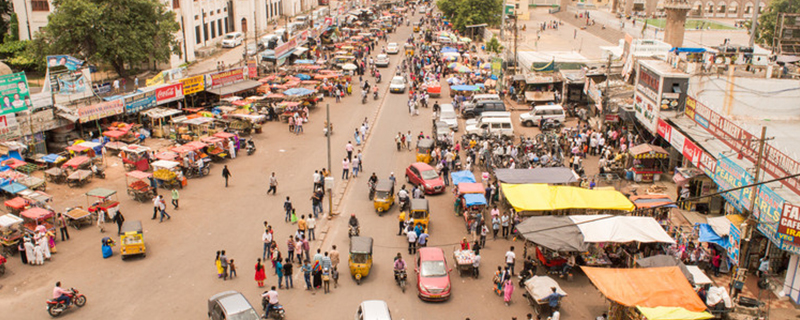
(178, 274)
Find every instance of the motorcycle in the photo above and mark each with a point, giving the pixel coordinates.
(400, 278)
(363, 98)
(251, 147)
(371, 190)
(274, 312)
(375, 95)
(353, 232)
(195, 172)
(378, 79)
(55, 308)
(404, 204)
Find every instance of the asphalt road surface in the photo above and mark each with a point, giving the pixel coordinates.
(178, 275)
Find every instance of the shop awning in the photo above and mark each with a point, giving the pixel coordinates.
(559, 175)
(542, 96)
(650, 287)
(653, 200)
(541, 197)
(668, 313)
(662, 260)
(573, 233)
(462, 177)
(236, 87)
(474, 199)
(557, 233)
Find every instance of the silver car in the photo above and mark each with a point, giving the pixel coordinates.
(231, 305)
(382, 61)
(398, 84)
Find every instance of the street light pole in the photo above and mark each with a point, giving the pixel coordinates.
(328, 136)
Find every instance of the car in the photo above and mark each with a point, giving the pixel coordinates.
(553, 112)
(502, 127)
(232, 40)
(382, 60)
(433, 276)
(398, 84)
(252, 49)
(423, 175)
(231, 305)
(373, 310)
(392, 48)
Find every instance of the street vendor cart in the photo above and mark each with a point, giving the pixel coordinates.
(10, 232)
(33, 183)
(16, 205)
(79, 178)
(36, 198)
(77, 162)
(168, 174)
(134, 157)
(139, 186)
(464, 260)
(102, 199)
(35, 216)
(648, 162)
(215, 148)
(538, 289)
(56, 175)
(77, 217)
(12, 189)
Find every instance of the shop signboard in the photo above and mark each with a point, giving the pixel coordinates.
(252, 69)
(140, 101)
(193, 85)
(9, 127)
(14, 90)
(283, 49)
(224, 78)
(689, 149)
(734, 238)
(154, 81)
(169, 93)
(729, 175)
(789, 226)
(100, 110)
(775, 162)
(646, 111)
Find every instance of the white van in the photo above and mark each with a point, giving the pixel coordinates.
(489, 114)
(548, 111)
(232, 40)
(481, 97)
(447, 114)
(493, 126)
(302, 19)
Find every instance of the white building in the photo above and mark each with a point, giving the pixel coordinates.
(202, 22)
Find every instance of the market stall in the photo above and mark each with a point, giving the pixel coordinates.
(134, 157)
(648, 162)
(551, 176)
(530, 198)
(159, 121)
(139, 186)
(102, 199)
(77, 162)
(38, 216)
(79, 178)
(168, 174)
(698, 187)
(10, 232)
(16, 205)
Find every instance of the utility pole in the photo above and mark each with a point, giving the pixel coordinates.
(516, 64)
(606, 94)
(503, 20)
(753, 24)
(330, 132)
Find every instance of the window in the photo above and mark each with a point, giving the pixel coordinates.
(219, 25)
(226, 25)
(176, 4)
(197, 37)
(205, 31)
(40, 5)
(196, 17)
(506, 125)
(213, 30)
(218, 10)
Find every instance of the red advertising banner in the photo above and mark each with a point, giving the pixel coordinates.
(789, 226)
(776, 163)
(664, 129)
(224, 78)
(252, 69)
(100, 110)
(284, 48)
(689, 149)
(169, 93)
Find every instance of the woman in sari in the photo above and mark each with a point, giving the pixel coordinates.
(317, 274)
(218, 263)
(260, 274)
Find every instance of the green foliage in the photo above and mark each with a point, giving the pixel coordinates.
(463, 13)
(13, 29)
(765, 30)
(117, 32)
(494, 46)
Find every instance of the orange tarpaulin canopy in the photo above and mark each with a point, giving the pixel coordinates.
(646, 287)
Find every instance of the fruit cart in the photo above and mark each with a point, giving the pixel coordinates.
(138, 185)
(168, 174)
(10, 232)
(215, 148)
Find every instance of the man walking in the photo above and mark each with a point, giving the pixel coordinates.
(226, 174)
(287, 206)
(412, 242)
(175, 197)
(511, 258)
(162, 207)
(223, 261)
(273, 184)
(316, 201)
(267, 239)
(349, 149)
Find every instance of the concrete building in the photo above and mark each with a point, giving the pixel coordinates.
(738, 9)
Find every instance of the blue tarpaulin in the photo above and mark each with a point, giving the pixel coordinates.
(687, 50)
(13, 188)
(298, 92)
(707, 234)
(474, 199)
(449, 49)
(51, 158)
(303, 76)
(462, 177)
(464, 87)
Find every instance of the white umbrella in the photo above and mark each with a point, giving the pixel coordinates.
(349, 66)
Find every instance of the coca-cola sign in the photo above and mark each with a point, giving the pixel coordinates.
(169, 93)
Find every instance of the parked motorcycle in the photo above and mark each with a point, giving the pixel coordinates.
(55, 308)
(99, 171)
(251, 147)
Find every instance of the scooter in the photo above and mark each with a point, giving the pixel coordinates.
(404, 204)
(251, 147)
(363, 98)
(55, 308)
(353, 232)
(375, 95)
(274, 312)
(400, 279)
(371, 190)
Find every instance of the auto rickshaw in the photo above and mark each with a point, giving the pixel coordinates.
(424, 148)
(384, 196)
(360, 257)
(409, 49)
(132, 239)
(416, 26)
(419, 213)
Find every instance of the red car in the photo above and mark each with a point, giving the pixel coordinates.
(425, 176)
(433, 276)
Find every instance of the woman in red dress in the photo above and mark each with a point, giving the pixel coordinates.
(260, 274)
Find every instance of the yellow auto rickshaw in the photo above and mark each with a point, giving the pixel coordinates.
(132, 239)
(416, 26)
(424, 148)
(360, 257)
(419, 213)
(409, 49)
(384, 196)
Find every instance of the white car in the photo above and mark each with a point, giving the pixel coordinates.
(382, 60)
(398, 84)
(392, 48)
(232, 40)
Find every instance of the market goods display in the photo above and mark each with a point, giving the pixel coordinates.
(164, 174)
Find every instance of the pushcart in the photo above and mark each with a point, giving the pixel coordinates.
(35, 217)
(56, 175)
(168, 174)
(77, 217)
(79, 178)
(33, 183)
(538, 289)
(10, 232)
(134, 157)
(79, 162)
(36, 198)
(16, 205)
(463, 260)
(102, 199)
(138, 186)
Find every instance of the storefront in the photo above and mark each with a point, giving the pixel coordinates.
(658, 88)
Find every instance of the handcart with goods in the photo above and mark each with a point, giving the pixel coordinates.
(77, 217)
(12, 189)
(79, 178)
(33, 183)
(464, 260)
(538, 289)
(138, 185)
(36, 198)
(56, 175)
(168, 174)
(78, 162)
(134, 157)
(102, 199)
(215, 148)
(16, 205)
(10, 232)
(35, 217)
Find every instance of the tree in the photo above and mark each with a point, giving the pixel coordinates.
(463, 13)
(765, 30)
(494, 46)
(117, 32)
(6, 12)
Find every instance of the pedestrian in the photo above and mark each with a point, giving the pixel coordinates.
(156, 202)
(62, 227)
(226, 174)
(317, 274)
(504, 222)
(287, 206)
(316, 202)
(287, 273)
(162, 207)
(223, 262)
(412, 242)
(260, 274)
(495, 226)
(508, 290)
(301, 225)
(484, 232)
(345, 169)
(218, 264)
(326, 280)
(476, 263)
(311, 224)
(306, 246)
(273, 184)
(118, 219)
(298, 248)
(401, 222)
(290, 249)
(334, 256)
(267, 239)
(349, 148)
(279, 272)
(175, 197)
(231, 268)
(511, 258)
(307, 274)
(422, 239)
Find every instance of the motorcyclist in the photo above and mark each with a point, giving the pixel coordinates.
(373, 180)
(61, 295)
(399, 265)
(353, 221)
(375, 91)
(402, 196)
(270, 300)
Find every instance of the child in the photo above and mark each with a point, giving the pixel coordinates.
(232, 268)
(335, 277)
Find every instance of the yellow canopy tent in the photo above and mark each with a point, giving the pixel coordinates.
(672, 313)
(542, 197)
